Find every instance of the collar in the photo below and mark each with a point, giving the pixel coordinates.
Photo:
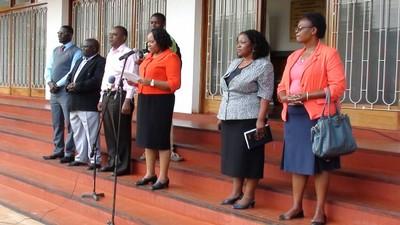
(119, 49)
(69, 44)
(90, 58)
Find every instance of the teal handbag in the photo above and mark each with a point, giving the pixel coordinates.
(332, 135)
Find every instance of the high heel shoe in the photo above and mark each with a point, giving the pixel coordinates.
(231, 201)
(145, 181)
(158, 185)
(295, 216)
(250, 204)
(320, 222)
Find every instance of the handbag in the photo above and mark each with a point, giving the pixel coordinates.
(332, 135)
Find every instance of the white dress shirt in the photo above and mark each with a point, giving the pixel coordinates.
(114, 68)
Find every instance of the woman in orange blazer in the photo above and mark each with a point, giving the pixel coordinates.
(309, 72)
(160, 74)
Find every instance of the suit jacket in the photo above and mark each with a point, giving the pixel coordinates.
(324, 70)
(241, 99)
(87, 85)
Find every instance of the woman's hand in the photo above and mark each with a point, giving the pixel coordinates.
(144, 82)
(260, 124)
(219, 125)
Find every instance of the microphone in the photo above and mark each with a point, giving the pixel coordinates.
(110, 84)
(126, 55)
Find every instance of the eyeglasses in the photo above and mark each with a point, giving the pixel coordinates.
(299, 29)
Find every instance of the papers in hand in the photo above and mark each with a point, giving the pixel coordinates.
(131, 76)
(253, 141)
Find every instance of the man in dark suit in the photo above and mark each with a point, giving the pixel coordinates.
(83, 85)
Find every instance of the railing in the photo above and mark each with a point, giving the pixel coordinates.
(23, 46)
(368, 38)
(226, 20)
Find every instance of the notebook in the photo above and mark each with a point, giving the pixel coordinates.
(251, 138)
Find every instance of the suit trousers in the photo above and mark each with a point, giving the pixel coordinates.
(60, 105)
(85, 125)
(111, 116)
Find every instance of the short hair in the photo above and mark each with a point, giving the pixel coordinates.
(96, 43)
(160, 16)
(68, 28)
(260, 45)
(162, 38)
(123, 29)
(318, 21)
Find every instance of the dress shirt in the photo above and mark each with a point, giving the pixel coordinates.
(83, 63)
(114, 67)
(49, 66)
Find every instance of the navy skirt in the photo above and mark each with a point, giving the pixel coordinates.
(154, 119)
(236, 159)
(297, 156)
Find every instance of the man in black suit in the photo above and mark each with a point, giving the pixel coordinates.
(83, 85)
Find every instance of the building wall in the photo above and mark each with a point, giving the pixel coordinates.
(279, 23)
(184, 25)
(57, 15)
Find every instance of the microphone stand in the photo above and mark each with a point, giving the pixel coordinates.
(94, 195)
(119, 92)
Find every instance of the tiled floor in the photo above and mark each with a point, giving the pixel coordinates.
(10, 217)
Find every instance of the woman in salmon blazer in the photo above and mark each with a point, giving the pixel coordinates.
(309, 72)
(160, 74)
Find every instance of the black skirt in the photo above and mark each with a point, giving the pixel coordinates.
(298, 157)
(154, 120)
(236, 159)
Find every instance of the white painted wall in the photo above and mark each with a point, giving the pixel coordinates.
(57, 15)
(184, 25)
(279, 23)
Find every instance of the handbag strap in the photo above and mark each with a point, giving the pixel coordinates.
(328, 102)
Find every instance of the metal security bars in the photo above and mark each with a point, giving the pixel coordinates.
(5, 60)
(95, 19)
(144, 10)
(227, 18)
(86, 20)
(368, 38)
(22, 45)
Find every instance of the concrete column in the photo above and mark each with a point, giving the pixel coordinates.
(184, 25)
(57, 15)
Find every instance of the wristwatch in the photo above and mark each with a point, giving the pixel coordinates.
(152, 82)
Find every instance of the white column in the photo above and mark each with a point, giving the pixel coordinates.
(184, 25)
(57, 15)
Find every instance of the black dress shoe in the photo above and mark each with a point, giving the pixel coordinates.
(67, 159)
(76, 163)
(92, 166)
(158, 185)
(231, 201)
(145, 181)
(295, 216)
(250, 204)
(319, 222)
(53, 156)
(107, 169)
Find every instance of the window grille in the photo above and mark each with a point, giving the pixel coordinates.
(368, 39)
(227, 18)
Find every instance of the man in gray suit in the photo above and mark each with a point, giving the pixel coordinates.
(58, 67)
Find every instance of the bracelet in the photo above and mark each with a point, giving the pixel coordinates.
(307, 96)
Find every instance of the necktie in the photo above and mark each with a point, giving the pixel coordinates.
(62, 48)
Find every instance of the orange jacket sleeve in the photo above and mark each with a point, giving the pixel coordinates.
(173, 72)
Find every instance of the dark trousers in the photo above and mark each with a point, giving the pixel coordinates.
(111, 131)
(60, 105)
